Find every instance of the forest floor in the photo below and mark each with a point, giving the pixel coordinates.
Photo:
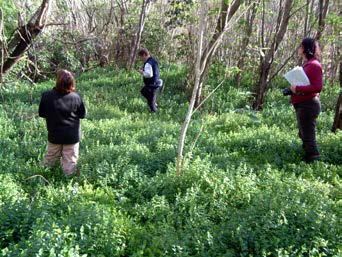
(244, 189)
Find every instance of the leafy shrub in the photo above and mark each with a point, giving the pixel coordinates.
(244, 190)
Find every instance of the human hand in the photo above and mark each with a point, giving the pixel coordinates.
(293, 88)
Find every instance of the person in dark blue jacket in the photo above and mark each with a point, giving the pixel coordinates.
(151, 77)
(62, 109)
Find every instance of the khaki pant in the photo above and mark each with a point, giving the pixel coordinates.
(66, 154)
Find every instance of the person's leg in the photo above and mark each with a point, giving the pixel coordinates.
(298, 115)
(153, 100)
(307, 113)
(70, 155)
(53, 155)
(150, 94)
(144, 91)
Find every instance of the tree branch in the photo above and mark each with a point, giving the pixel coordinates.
(25, 35)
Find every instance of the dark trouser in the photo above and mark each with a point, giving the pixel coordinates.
(307, 113)
(150, 93)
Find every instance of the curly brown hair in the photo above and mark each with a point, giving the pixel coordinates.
(65, 82)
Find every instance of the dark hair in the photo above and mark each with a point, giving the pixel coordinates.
(143, 52)
(65, 82)
(309, 47)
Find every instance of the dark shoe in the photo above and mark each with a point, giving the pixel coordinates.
(311, 159)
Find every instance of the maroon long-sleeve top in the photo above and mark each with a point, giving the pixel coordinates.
(313, 69)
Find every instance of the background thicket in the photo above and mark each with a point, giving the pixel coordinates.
(82, 34)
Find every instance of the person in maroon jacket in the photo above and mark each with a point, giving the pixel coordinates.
(62, 108)
(305, 99)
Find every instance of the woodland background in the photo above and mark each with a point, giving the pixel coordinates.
(258, 39)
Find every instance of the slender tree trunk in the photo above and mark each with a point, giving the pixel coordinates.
(262, 39)
(1, 44)
(338, 115)
(202, 63)
(145, 8)
(227, 12)
(306, 18)
(195, 89)
(338, 111)
(119, 49)
(322, 13)
(266, 62)
(26, 34)
(264, 72)
(245, 40)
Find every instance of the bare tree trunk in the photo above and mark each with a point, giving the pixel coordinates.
(195, 88)
(245, 40)
(119, 49)
(145, 8)
(26, 34)
(322, 13)
(1, 44)
(306, 18)
(202, 63)
(266, 62)
(227, 12)
(338, 112)
(335, 55)
(311, 18)
(262, 39)
(338, 115)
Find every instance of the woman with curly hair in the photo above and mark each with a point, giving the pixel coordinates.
(62, 108)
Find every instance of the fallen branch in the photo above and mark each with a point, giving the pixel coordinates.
(40, 176)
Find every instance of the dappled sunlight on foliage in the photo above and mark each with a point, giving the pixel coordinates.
(244, 191)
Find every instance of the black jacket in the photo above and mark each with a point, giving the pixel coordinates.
(62, 113)
(154, 81)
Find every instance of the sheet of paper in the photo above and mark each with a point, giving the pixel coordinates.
(297, 77)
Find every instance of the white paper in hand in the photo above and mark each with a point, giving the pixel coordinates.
(297, 77)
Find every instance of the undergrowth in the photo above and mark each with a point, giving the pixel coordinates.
(244, 189)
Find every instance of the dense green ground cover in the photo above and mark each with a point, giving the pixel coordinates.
(244, 190)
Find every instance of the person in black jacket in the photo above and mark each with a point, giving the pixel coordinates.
(62, 108)
(151, 77)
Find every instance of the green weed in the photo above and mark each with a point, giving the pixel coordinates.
(244, 191)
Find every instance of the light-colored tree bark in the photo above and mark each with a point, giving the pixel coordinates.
(197, 76)
(1, 43)
(247, 33)
(203, 60)
(145, 9)
(227, 11)
(333, 60)
(322, 13)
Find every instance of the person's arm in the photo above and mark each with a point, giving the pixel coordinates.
(42, 110)
(314, 73)
(81, 111)
(148, 71)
